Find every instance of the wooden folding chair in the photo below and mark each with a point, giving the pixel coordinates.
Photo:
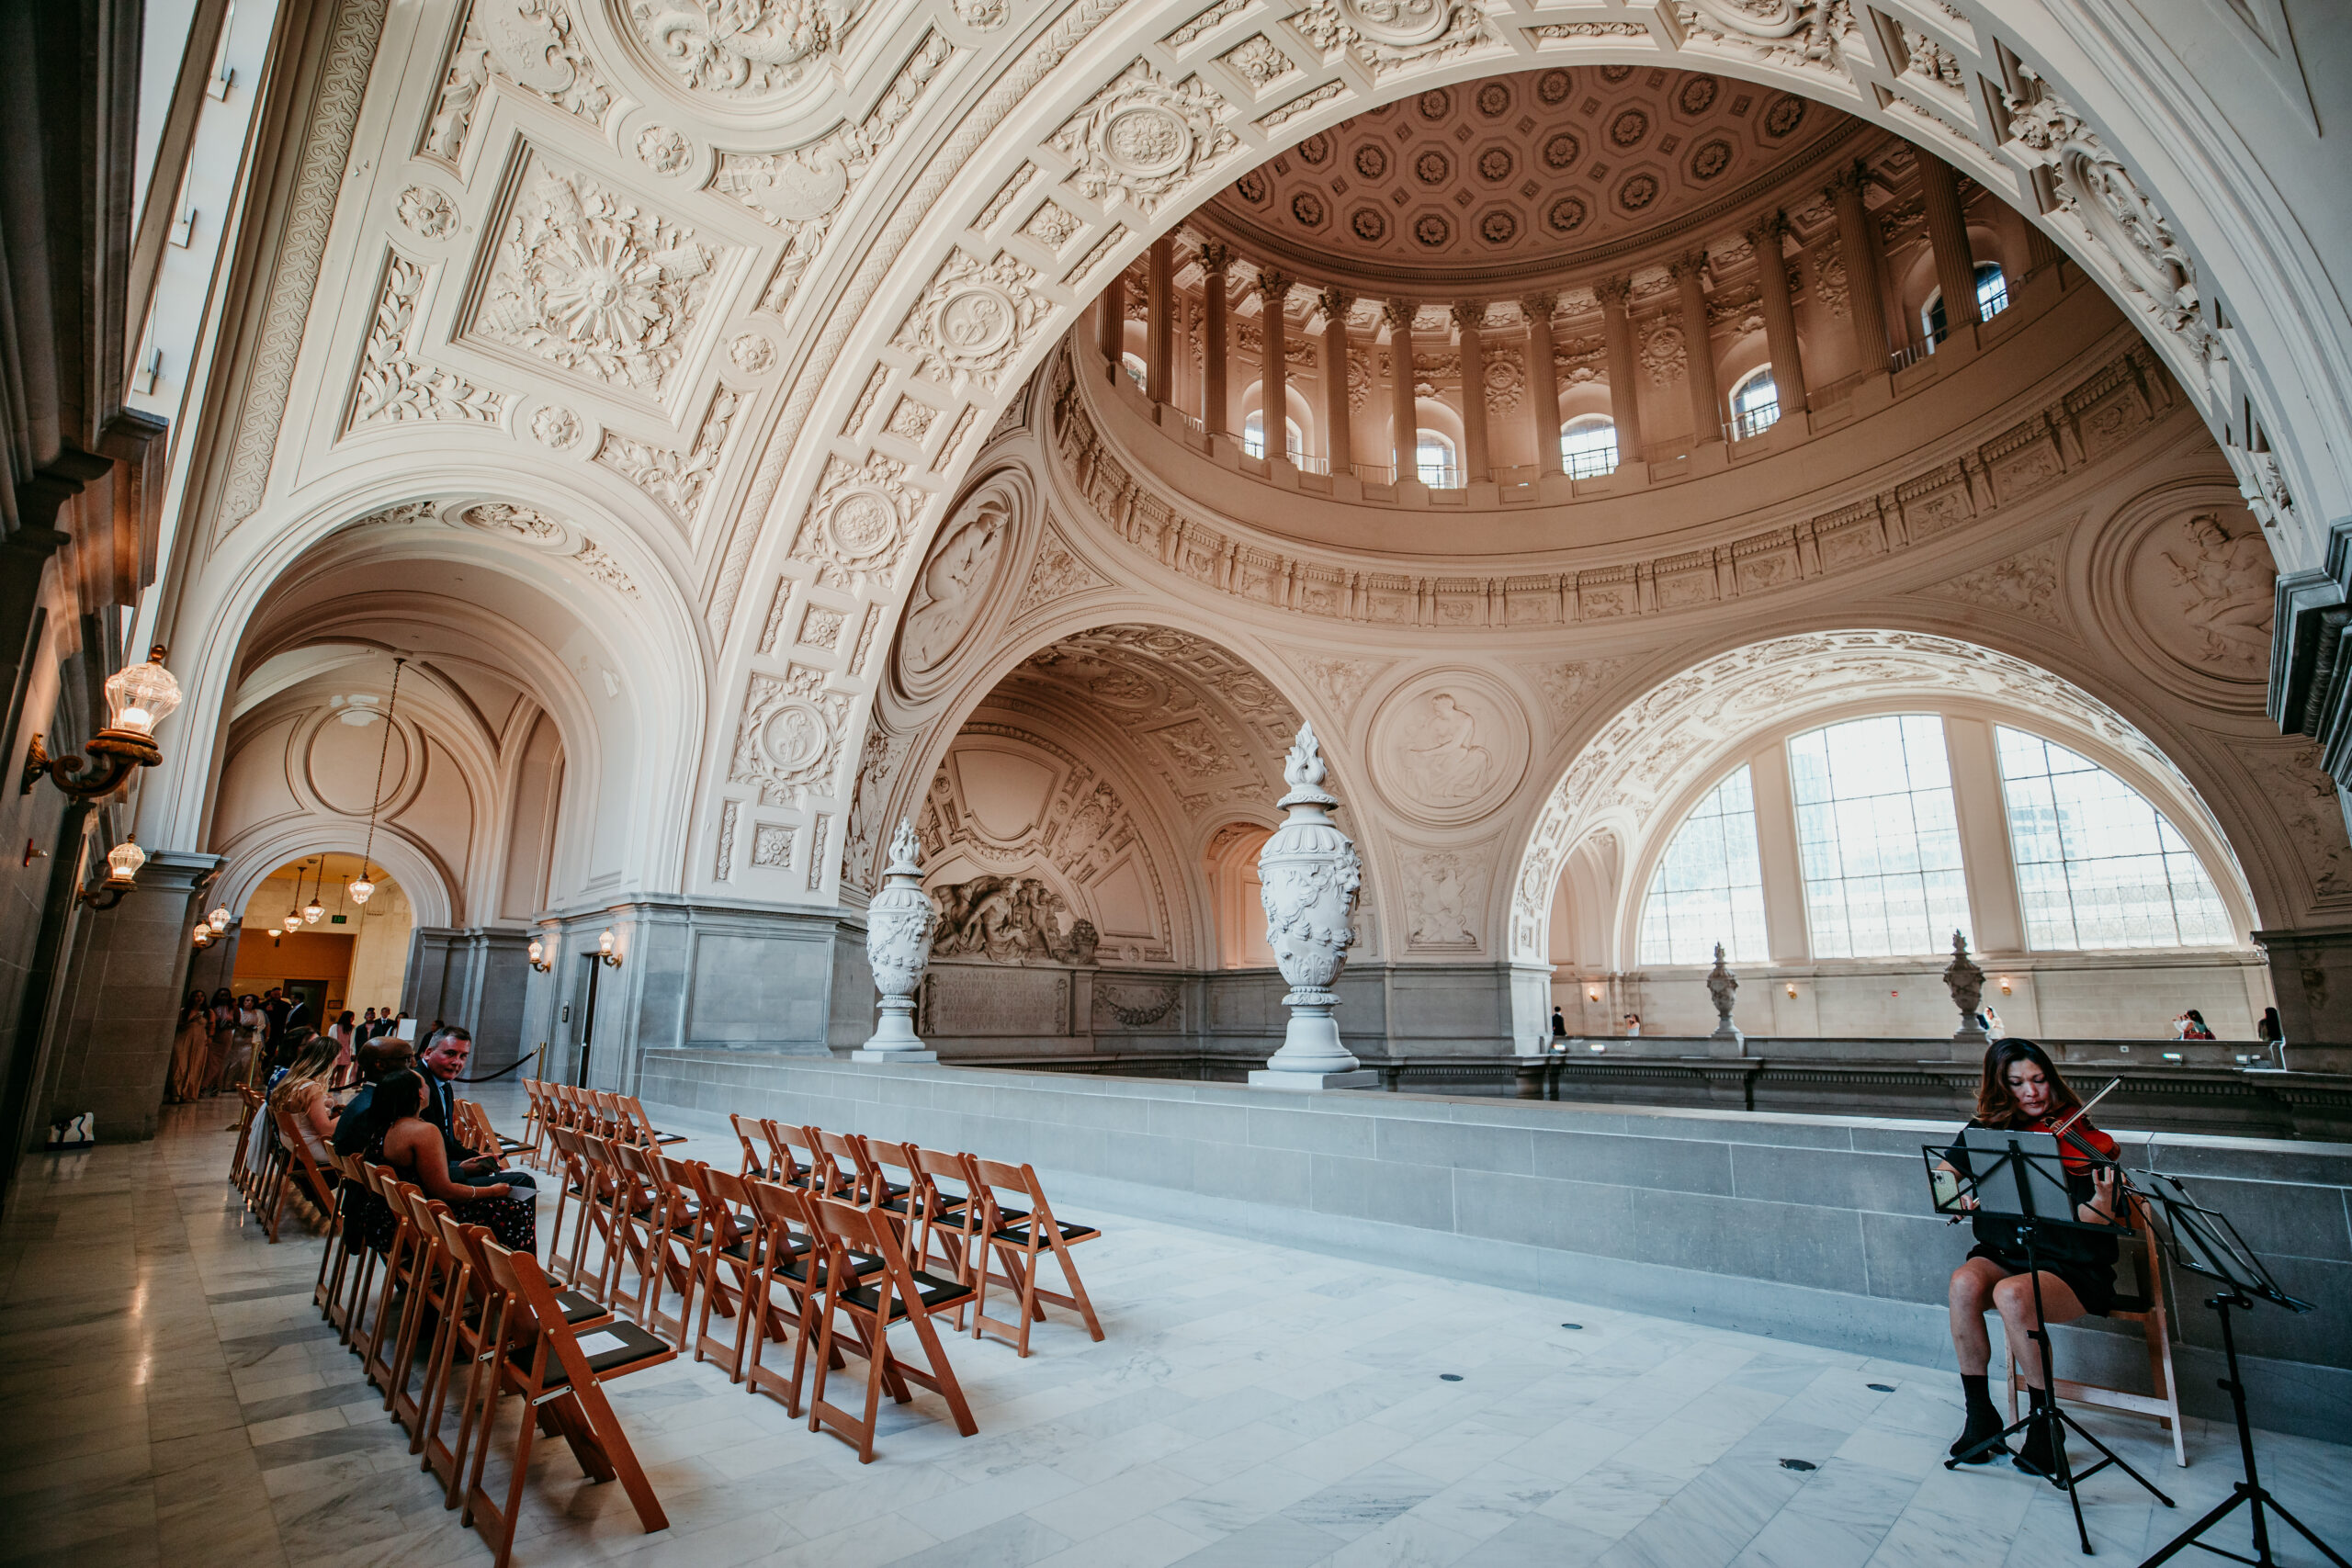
(917, 1203)
(559, 1377)
(346, 1308)
(729, 1260)
(1019, 1239)
(487, 1139)
(248, 1113)
(791, 1155)
(792, 1270)
(432, 1281)
(535, 1122)
(379, 1344)
(576, 1179)
(948, 1231)
(300, 1174)
(613, 1198)
(747, 1132)
(2143, 1303)
(898, 1294)
(668, 1238)
(641, 1126)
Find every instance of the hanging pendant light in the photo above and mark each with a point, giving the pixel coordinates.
(293, 920)
(314, 911)
(362, 887)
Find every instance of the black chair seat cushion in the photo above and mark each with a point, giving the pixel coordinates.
(578, 1308)
(861, 1265)
(636, 1345)
(935, 1293)
(1018, 1235)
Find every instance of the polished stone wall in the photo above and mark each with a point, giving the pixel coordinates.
(1813, 1228)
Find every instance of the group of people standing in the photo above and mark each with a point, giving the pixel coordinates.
(225, 1039)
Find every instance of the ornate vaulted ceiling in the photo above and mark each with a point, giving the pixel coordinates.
(1523, 173)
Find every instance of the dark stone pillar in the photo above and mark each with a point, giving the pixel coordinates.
(2311, 972)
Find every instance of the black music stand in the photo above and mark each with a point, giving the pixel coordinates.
(2205, 1243)
(2034, 1192)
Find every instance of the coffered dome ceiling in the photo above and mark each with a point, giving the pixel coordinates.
(1523, 174)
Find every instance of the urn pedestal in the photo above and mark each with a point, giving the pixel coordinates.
(897, 945)
(1966, 983)
(1309, 880)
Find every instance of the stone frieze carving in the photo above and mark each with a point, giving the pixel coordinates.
(857, 522)
(393, 384)
(2027, 583)
(955, 582)
(1141, 140)
(972, 322)
(1788, 33)
(1445, 897)
(533, 44)
(1140, 1008)
(1055, 573)
(739, 50)
(677, 479)
(1386, 36)
(788, 739)
(1009, 920)
(592, 282)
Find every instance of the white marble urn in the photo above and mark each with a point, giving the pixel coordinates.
(898, 946)
(1310, 878)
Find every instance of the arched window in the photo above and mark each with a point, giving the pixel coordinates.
(1991, 298)
(1877, 837)
(1433, 456)
(1588, 445)
(2098, 866)
(1133, 364)
(1253, 435)
(1709, 888)
(1755, 403)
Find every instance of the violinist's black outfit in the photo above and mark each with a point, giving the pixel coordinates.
(2084, 1259)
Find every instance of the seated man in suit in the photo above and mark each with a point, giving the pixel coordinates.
(444, 1060)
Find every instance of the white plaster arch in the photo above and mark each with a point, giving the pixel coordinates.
(1620, 777)
(248, 863)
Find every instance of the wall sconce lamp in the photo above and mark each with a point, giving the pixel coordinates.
(605, 953)
(2004, 985)
(123, 862)
(1592, 993)
(1792, 990)
(218, 920)
(203, 938)
(139, 697)
(540, 956)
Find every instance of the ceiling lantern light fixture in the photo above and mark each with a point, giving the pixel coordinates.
(139, 697)
(292, 923)
(363, 886)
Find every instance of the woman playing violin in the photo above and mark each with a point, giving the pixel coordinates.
(2022, 1090)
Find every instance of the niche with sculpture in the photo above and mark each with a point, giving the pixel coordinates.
(1009, 920)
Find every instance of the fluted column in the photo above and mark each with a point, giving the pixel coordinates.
(1779, 316)
(1273, 377)
(1339, 440)
(1478, 459)
(1542, 380)
(1113, 322)
(1857, 248)
(1689, 273)
(1216, 259)
(1404, 415)
(1948, 237)
(1159, 356)
(1624, 389)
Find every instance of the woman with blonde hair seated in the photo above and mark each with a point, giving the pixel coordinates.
(302, 1092)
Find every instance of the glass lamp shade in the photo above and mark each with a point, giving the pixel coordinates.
(219, 918)
(314, 911)
(203, 935)
(141, 697)
(292, 923)
(123, 862)
(538, 952)
(362, 890)
(605, 944)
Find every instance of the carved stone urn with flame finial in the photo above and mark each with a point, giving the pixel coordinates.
(1309, 876)
(897, 945)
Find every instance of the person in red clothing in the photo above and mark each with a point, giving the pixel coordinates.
(2021, 1089)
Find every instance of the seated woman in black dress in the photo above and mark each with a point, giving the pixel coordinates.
(413, 1147)
(2022, 1089)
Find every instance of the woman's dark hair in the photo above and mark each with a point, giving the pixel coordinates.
(399, 1096)
(347, 1017)
(221, 996)
(1996, 1106)
(2196, 1017)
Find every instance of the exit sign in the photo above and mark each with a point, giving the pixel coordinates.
(335, 919)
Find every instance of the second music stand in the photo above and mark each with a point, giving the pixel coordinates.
(2026, 1180)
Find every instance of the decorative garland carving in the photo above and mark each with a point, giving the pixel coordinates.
(741, 49)
(788, 737)
(1140, 140)
(677, 479)
(973, 321)
(532, 43)
(393, 384)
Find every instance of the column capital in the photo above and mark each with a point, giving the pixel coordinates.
(1614, 291)
(1470, 315)
(1335, 303)
(1853, 176)
(1767, 232)
(1539, 307)
(1216, 256)
(1399, 313)
(1690, 264)
(1274, 286)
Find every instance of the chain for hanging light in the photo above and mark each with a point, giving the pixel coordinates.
(362, 888)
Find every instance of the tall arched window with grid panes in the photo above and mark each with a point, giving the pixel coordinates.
(1878, 837)
(1709, 886)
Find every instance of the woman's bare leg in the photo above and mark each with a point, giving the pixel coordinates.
(2014, 1297)
(1972, 1284)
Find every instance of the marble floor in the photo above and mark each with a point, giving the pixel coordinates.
(169, 1396)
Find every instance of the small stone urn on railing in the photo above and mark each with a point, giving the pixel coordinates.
(1309, 876)
(1723, 986)
(898, 946)
(1966, 983)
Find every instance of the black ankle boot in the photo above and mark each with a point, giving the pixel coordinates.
(2038, 1455)
(1983, 1421)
